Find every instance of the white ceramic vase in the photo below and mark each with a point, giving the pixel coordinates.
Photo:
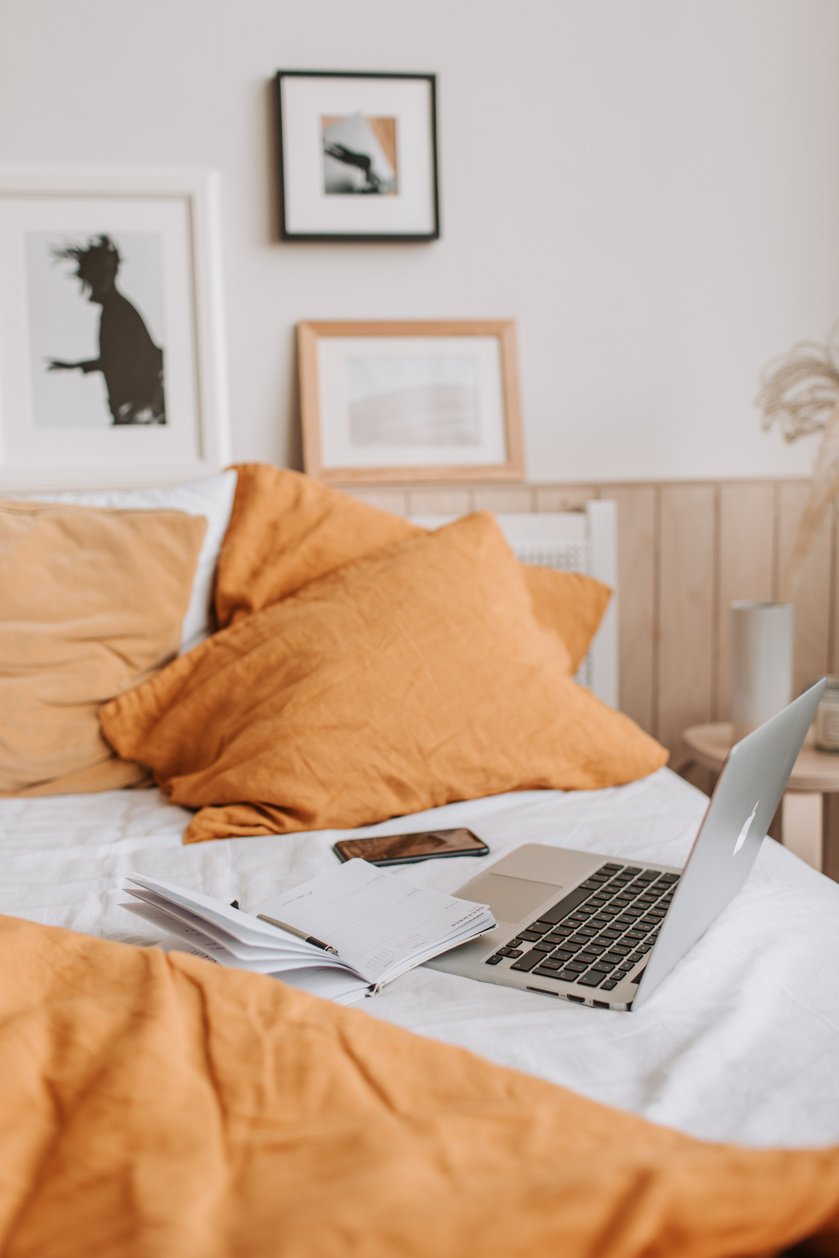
(761, 662)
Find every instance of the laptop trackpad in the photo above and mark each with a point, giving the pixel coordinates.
(510, 899)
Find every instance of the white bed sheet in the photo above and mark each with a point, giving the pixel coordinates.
(741, 1042)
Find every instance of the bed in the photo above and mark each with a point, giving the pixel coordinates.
(738, 1047)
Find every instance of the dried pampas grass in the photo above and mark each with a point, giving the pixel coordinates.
(800, 394)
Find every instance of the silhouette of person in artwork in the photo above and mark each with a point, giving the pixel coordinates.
(130, 362)
(372, 182)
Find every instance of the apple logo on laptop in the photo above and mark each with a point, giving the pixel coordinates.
(741, 837)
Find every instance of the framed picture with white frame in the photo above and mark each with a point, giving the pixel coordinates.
(398, 401)
(112, 367)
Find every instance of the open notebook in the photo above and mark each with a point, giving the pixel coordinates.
(341, 935)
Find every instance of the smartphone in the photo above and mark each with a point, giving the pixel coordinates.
(405, 849)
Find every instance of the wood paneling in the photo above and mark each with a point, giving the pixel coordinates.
(686, 610)
(438, 501)
(636, 599)
(564, 497)
(685, 552)
(392, 500)
(503, 498)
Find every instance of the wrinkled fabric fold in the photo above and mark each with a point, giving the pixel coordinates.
(157, 1105)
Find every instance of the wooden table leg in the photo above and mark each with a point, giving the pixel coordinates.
(803, 825)
(830, 842)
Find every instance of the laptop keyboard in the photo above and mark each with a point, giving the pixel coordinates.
(598, 932)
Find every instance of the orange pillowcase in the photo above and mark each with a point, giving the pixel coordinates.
(407, 679)
(287, 530)
(93, 602)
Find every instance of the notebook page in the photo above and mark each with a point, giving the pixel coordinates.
(333, 983)
(338, 985)
(379, 924)
(194, 940)
(176, 915)
(243, 927)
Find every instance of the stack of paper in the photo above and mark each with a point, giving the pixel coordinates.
(341, 935)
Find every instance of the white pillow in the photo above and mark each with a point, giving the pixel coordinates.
(211, 497)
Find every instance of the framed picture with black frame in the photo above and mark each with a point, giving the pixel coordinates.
(357, 156)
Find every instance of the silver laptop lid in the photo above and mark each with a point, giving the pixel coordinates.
(747, 794)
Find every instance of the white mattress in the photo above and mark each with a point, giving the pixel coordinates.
(740, 1042)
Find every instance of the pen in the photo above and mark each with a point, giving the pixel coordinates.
(299, 934)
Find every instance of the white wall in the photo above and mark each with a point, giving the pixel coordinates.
(649, 187)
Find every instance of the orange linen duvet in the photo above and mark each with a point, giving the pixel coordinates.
(159, 1106)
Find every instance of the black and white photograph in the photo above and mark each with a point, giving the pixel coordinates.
(357, 156)
(96, 328)
(111, 330)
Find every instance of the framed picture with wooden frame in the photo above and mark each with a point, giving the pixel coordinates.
(398, 401)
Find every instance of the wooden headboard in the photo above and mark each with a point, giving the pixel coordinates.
(573, 541)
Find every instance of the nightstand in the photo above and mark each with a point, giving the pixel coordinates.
(810, 808)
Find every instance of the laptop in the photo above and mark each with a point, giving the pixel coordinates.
(605, 931)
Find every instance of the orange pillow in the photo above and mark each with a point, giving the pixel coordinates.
(407, 679)
(93, 602)
(569, 604)
(287, 530)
